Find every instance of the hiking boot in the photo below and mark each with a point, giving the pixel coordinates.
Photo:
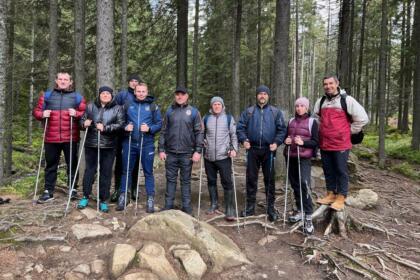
(83, 203)
(249, 211)
(121, 202)
(338, 204)
(213, 200)
(296, 217)
(328, 199)
(150, 207)
(309, 226)
(45, 197)
(103, 207)
(3, 201)
(114, 196)
(272, 214)
(74, 195)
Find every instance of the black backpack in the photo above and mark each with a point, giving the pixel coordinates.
(355, 138)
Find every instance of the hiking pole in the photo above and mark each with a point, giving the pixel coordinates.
(139, 173)
(40, 160)
(245, 214)
(71, 152)
(77, 170)
(287, 183)
(300, 189)
(267, 190)
(199, 188)
(98, 171)
(234, 191)
(126, 172)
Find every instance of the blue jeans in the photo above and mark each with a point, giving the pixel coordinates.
(334, 164)
(147, 158)
(173, 163)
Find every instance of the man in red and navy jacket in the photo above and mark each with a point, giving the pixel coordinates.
(336, 127)
(59, 106)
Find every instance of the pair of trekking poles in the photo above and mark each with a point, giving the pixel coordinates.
(234, 190)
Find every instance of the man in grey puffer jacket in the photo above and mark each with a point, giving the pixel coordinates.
(221, 145)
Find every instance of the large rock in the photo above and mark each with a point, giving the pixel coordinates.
(123, 255)
(144, 275)
(89, 213)
(89, 231)
(192, 263)
(174, 226)
(364, 199)
(152, 257)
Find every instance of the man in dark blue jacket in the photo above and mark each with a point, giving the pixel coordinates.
(261, 129)
(143, 122)
(124, 96)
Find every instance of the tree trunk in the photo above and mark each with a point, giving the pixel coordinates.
(79, 42)
(402, 68)
(350, 60)
(343, 45)
(381, 83)
(31, 87)
(361, 49)
(408, 75)
(236, 58)
(3, 51)
(182, 43)
(105, 43)
(195, 51)
(259, 28)
(53, 41)
(327, 44)
(281, 84)
(415, 141)
(8, 133)
(124, 28)
(297, 78)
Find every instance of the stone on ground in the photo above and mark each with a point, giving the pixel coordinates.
(152, 257)
(89, 231)
(175, 227)
(97, 266)
(267, 239)
(144, 275)
(123, 255)
(364, 199)
(89, 213)
(192, 263)
(82, 268)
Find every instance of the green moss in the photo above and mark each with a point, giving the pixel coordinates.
(407, 170)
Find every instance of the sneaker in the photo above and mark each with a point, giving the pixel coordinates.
(121, 202)
(272, 214)
(114, 196)
(296, 217)
(83, 203)
(309, 226)
(150, 205)
(74, 195)
(45, 197)
(103, 207)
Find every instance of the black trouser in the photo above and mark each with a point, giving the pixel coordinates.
(260, 158)
(52, 158)
(119, 167)
(183, 163)
(224, 167)
(106, 160)
(334, 164)
(305, 173)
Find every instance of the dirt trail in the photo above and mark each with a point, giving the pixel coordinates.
(394, 254)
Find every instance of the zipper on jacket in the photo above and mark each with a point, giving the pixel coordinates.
(61, 104)
(138, 122)
(215, 139)
(261, 122)
(179, 132)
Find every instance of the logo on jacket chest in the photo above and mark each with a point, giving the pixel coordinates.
(188, 112)
(147, 108)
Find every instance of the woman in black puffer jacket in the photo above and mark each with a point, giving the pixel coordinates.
(105, 116)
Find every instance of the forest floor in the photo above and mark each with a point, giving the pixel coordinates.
(386, 247)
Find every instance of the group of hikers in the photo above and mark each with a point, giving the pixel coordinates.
(123, 126)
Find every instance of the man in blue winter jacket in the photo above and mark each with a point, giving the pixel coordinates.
(261, 129)
(143, 122)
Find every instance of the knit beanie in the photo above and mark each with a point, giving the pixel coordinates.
(105, 88)
(302, 101)
(217, 99)
(263, 88)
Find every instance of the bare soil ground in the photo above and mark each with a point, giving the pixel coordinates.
(387, 247)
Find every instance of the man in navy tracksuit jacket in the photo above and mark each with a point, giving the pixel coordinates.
(143, 122)
(261, 129)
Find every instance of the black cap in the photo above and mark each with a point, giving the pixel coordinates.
(263, 88)
(181, 89)
(105, 88)
(134, 77)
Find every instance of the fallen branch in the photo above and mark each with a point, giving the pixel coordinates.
(252, 222)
